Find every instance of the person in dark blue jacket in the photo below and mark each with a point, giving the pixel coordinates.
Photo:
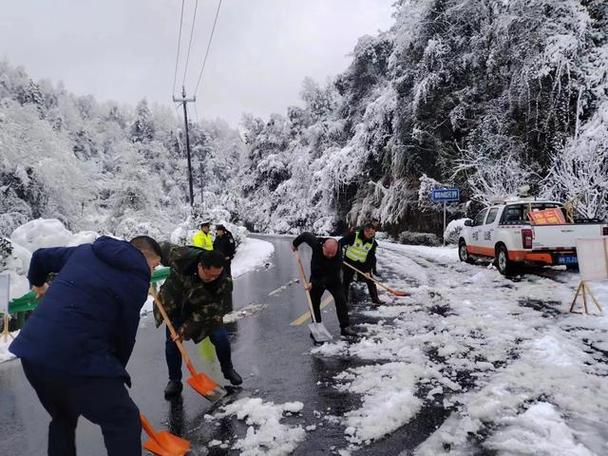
(75, 347)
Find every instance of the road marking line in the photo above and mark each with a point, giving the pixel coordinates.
(305, 317)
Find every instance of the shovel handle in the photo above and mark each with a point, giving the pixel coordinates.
(174, 335)
(369, 276)
(305, 284)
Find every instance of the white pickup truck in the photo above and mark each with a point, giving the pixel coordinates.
(504, 232)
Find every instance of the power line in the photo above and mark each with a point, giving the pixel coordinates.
(190, 43)
(179, 41)
(200, 76)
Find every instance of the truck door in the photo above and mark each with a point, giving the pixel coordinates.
(476, 246)
(488, 230)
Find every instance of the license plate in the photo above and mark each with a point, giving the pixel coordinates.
(567, 259)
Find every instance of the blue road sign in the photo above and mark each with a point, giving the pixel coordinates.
(446, 195)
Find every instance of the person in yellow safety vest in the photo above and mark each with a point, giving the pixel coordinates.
(361, 253)
(203, 238)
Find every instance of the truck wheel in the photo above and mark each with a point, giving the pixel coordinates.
(504, 265)
(572, 267)
(463, 255)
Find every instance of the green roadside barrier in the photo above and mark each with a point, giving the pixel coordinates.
(28, 301)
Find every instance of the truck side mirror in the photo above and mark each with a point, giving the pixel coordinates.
(468, 222)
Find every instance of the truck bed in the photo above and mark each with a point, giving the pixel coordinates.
(564, 236)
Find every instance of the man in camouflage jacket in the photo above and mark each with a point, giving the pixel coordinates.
(196, 296)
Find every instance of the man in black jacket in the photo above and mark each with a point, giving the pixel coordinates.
(224, 242)
(361, 253)
(325, 275)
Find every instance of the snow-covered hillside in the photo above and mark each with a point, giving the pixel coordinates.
(485, 95)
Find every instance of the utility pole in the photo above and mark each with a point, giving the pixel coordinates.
(184, 101)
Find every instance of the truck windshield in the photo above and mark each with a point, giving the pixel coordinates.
(515, 214)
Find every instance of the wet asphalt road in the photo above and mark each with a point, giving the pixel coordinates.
(272, 356)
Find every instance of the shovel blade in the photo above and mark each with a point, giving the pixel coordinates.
(319, 333)
(167, 444)
(399, 293)
(206, 387)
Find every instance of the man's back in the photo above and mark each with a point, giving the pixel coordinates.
(87, 321)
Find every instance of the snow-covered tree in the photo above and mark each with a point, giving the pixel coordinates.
(142, 129)
(579, 173)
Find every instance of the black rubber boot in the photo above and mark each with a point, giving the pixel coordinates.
(173, 388)
(348, 332)
(232, 376)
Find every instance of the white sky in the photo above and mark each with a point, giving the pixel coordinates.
(125, 50)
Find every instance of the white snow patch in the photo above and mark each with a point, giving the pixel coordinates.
(42, 233)
(244, 312)
(388, 399)
(331, 349)
(266, 434)
(251, 254)
(539, 431)
(5, 355)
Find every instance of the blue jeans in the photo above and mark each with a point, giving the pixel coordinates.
(219, 338)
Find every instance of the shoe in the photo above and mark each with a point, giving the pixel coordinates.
(377, 303)
(173, 389)
(232, 376)
(348, 332)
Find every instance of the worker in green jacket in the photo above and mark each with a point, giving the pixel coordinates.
(196, 296)
(202, 238)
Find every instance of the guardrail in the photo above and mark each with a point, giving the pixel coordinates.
(28, 302)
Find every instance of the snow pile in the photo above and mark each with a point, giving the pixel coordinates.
(42, 233)
(36, 234)
(5, 355)
(388, 399)
(266, 434)
(45, 233)
(540, 430)
(251, 254)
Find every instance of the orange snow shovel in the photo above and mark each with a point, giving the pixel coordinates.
(163, 443)
(369, 276)
(200, 382)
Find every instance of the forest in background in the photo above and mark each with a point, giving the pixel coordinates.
(485, 95)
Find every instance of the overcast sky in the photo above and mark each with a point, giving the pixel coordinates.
(125, 50)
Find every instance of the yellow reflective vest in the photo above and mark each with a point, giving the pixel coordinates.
(202, 240)
(359, 250)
